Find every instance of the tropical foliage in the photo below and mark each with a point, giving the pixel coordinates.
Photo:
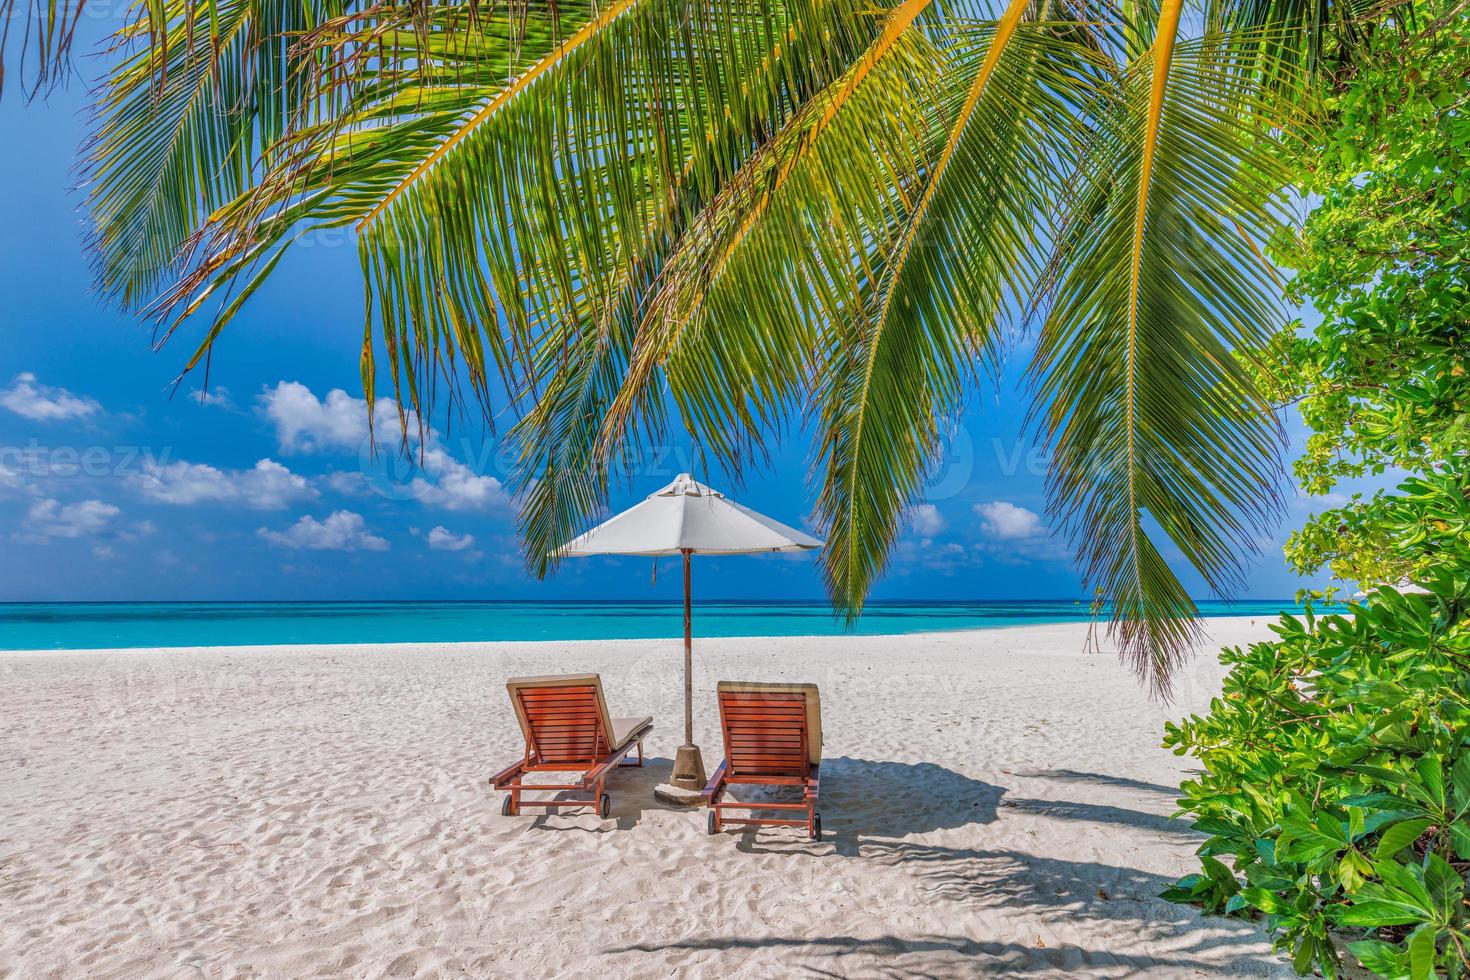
(739, 218)
(1384, 381)
(1336, 769)
(1335, 764)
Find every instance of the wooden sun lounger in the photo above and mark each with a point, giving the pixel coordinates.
(567, 728)
(773, 737)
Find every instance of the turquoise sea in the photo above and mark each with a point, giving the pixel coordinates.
(103, 625)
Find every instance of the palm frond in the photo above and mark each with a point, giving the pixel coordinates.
(47, 29)
(1295, 39)
(188, 120)
(1156, 430)
(792, 250)
(963, 252)
(579, 355)
(872, 88)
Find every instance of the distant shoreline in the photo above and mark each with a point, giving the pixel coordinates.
(577, 642)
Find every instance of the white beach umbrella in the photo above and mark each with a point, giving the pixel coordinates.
(688, 518)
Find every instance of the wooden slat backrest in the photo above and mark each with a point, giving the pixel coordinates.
(565, 723)
(765, 733)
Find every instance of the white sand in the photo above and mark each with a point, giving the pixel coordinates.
(996, 803)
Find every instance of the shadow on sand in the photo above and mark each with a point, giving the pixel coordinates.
(926, 797)
(1051, 889)
(630, 790)
(1055, 891)
(1098, 779)
(937, 957)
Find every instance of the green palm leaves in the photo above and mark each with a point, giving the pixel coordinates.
(623, 216)
(1155, 427)
(953, 257)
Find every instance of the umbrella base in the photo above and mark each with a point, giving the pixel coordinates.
(670, 795)
(688, 769)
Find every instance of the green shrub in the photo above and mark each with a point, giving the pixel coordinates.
(1335, 779)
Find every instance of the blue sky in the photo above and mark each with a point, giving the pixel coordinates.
(111, 488)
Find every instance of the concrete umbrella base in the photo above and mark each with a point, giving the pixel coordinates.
(671, 795)
(686, 786)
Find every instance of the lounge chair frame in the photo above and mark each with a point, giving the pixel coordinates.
(566, 730)
(769, 741)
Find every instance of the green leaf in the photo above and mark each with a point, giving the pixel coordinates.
(1306, 954)
(1352, 870)
(1264, 900)
(1431, 776)
(1385, 959)
(1445, 887)
(1460, 839)
(1400, 899)
(1375, 913)
(1220, 874)
(1460, 779)
(1421, 946)
(1305, 840)
(1152, 294)
(1399, 836)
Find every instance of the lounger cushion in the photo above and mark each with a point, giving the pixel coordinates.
(813, 707)
(623, 729)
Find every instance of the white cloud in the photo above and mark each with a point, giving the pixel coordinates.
(926, 521)
(1004, 521)
(29, 398)
(339, 423)
(138, 530)
(348, 482)
(454, 486)
(267, 486)
(50, 519)
(442, 539)
(305, 423)
(1017, 536)
(216, 397)
(341, 531)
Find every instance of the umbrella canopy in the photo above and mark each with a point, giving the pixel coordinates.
(687, 516)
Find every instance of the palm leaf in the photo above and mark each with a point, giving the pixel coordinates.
(47, 29)
(186, 121)
(582, 355)
(1156, 430)
(886, 390)
(873, 85)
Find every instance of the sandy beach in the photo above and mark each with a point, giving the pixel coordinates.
(995, 803)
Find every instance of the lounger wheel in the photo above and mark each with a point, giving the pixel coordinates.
(507, 809)
(816, 826)
(709, 824)
(604, 806)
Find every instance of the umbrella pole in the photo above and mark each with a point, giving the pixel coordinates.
(688, 656)
(688, 775)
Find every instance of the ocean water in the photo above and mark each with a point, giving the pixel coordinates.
(105, 625)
